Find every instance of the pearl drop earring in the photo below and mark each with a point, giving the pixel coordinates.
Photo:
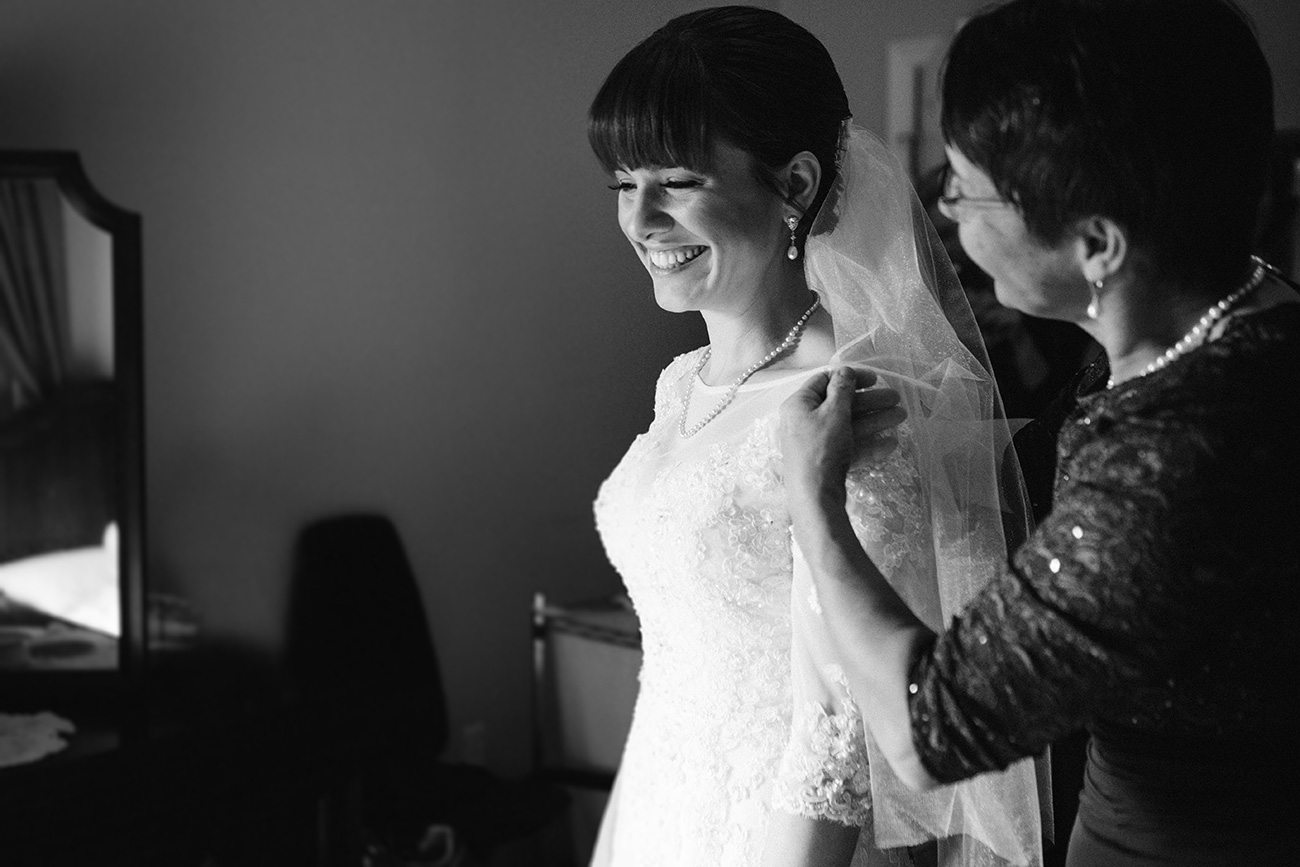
(1094, 305)
(792, 222)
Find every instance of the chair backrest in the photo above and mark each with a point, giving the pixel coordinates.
(357, 624)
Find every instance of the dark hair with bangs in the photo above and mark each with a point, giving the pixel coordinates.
(1155, 113)
(747, 76)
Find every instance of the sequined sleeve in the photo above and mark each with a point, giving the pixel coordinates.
(1149, 595)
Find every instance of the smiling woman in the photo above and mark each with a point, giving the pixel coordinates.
(1029, 274)
(711, 238)
(1154, 603)
(751, 200)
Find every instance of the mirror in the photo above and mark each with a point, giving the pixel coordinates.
(71, 471)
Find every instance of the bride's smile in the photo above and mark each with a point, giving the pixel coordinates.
(710, 237)
(725, 132)
(672, 259)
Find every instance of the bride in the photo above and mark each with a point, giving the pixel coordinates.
(751, 199)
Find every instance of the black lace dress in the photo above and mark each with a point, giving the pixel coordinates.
(1158, 604)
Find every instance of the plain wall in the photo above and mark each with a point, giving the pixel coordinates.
(382, 271)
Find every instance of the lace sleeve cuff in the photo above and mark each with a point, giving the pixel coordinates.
(824, 773)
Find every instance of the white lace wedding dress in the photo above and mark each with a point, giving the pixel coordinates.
(743, 709)
(698, 529)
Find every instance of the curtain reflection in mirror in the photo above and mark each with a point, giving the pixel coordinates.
(34, 322)
(58, 558)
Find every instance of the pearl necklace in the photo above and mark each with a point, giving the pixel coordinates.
(1200, 331)
(740, 380)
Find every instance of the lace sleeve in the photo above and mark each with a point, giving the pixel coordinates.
(824, 772)
(992, 820)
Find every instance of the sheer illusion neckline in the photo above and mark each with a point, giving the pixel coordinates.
(698, 383)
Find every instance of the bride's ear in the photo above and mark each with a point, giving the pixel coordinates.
(801, 177)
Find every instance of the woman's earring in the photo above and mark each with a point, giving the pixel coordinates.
(793, 223)
(1094, 305)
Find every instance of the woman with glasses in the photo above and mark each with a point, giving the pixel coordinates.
(1107, 160)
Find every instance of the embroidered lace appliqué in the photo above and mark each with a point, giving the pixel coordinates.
(827, 776)
(886, 511)
(699, 532)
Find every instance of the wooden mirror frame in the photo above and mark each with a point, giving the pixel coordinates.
(115, 694)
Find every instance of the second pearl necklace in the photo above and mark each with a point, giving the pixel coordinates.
(740, 380)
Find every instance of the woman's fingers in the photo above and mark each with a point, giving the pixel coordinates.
(875, 422)
(830, 398)
(871, 445)
(868, 400)
(812, 393)
(863, 377)
(876, 412)
(841, 390)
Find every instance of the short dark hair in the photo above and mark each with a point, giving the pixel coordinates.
(1155, 113)
(747, 76)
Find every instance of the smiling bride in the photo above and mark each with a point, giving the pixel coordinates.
(751, 200)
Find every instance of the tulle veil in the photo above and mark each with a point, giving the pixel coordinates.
(897, 306)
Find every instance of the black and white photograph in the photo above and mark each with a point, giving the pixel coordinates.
(649, 433)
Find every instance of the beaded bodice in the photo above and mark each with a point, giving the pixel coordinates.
(744, 711)
(698, 529)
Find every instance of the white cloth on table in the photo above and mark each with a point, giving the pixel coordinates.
(30, 736)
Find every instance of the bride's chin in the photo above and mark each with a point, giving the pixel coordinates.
(672, 300)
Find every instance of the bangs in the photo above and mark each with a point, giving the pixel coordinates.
(652, 112)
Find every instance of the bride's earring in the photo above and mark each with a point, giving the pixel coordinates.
(792, 222)
(1094, 305)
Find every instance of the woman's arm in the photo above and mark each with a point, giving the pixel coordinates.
(822, 795)
(1094, 618)
(799, 841)
(879, 555)
(876, 634)
(872, 623)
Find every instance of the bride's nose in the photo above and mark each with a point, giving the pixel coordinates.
(643, 216)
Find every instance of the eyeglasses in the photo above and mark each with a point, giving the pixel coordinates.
(951, 199)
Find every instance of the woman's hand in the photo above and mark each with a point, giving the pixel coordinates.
(832, 420)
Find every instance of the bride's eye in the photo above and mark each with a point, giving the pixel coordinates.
(669, 184)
